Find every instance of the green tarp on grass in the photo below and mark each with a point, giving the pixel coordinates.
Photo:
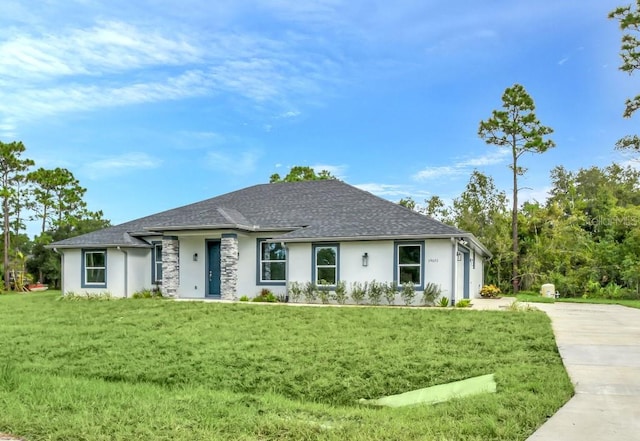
(439, 393)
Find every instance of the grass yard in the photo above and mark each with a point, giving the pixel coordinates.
(163, 370)
(536, 298)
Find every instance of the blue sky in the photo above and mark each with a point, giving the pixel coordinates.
(156, 104)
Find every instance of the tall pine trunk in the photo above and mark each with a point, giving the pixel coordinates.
(5, 209)
(514, 227)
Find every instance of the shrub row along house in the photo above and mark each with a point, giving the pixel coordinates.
(269, 235)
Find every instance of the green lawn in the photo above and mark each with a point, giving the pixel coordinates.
(163, 370)
(536, 298)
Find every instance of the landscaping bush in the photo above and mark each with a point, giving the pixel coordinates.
(265, 296)
(358, 292)
(376, 290)
(295, 291)
(408, 293)
(72, 296)
(430, 294)
(147, 294)
(310, 292)
(490, 291)
(341, 294)
(389, 292)
(324, 292)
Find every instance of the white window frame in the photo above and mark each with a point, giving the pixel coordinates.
(419, 265)
(336, 265)
(262, 260)
(86, 268)
(157, 262)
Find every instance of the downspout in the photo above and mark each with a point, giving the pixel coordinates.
(286, 270)
(55, 250)
(126, 271)
(454, 270)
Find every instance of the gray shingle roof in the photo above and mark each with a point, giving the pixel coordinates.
(311, 210)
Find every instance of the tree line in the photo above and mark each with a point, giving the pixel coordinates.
(54, 198)
(585, 238)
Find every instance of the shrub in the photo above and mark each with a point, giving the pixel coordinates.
(464, 303)
(430, 294)
(282, 298)
(147, 294)
(73, 296)
(612, 291)
(443, 302)
(490, 291)
(310, 290)
(295, 291)
(244, 299)
(376, 290)
(265, 296)
(341, 294)
(358, 292)
(324, 292)
(408, 293)
(389, 290)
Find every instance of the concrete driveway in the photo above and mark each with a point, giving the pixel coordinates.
(600, 347)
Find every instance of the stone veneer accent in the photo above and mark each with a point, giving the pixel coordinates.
(229, 266)
(170, 265)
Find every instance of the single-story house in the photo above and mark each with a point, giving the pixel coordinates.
(269, 235)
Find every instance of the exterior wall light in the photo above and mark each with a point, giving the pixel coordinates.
(459, 254)
(195, 257)
(365, 259)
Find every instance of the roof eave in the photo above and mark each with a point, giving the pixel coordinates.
(364, 238)
(96, 246)
(469, 236)
(248, 228)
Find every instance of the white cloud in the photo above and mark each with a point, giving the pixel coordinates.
(290, 114)
(429, 173)
(115, 63)
(336, 170)
(105, 47)
(394, 191)
(462, 166)
(234, 163)
(533, 195)
(7, 129)
(121, 164)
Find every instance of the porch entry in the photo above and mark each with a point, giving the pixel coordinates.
(213, 269)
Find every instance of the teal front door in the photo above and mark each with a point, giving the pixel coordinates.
(213, 269)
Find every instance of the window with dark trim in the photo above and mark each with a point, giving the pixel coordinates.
(409, 261)
(272, 262)
(325, 264)
(157, 262)
(94, 268)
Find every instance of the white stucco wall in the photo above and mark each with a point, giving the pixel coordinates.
(117, 285)
(440, 266)
(299, 265)
(72, 267)
(193, 274)
(380, 261)
(139, 270)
